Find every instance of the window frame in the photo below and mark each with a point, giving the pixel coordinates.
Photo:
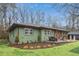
(28, 31)
(48, 32)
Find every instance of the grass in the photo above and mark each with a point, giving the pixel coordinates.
(70, 49)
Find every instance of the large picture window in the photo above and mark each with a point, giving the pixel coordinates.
(28, 31)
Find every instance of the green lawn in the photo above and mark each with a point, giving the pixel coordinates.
(69, 49)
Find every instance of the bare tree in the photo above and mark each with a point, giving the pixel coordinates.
(3, 11)
(71, 10)
(40, 15)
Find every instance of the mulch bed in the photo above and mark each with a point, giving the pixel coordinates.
(32, 45)
(39, 45)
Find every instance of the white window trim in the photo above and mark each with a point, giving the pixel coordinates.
(48, 32)
(29, 31)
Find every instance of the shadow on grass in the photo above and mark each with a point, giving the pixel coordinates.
(75, 50)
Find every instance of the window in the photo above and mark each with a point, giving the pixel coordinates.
(28, 31)
(47, 32)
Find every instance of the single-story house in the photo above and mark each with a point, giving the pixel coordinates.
(73, 35)
(27, 33)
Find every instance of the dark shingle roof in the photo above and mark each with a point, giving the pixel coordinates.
(14, 25)
(74, 33)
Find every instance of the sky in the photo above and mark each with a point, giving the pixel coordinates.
(50, 9)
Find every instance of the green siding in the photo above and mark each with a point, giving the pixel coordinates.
(23, 38)
(45, 37)
(12, 35)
